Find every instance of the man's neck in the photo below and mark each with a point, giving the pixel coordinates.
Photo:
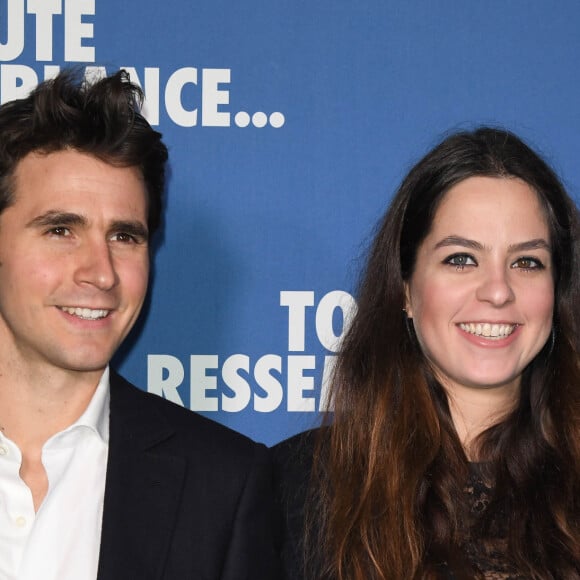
(37, 403)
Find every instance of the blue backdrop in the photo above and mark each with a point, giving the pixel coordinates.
(290, 124)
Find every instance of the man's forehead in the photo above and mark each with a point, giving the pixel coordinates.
(68, 174)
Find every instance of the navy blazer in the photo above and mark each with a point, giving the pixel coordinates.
(185, 498)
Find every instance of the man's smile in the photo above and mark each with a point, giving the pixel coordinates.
(85, 313)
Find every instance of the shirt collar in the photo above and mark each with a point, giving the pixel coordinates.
(96, 415)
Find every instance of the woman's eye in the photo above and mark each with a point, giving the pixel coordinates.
(460, 260)
(527, 263)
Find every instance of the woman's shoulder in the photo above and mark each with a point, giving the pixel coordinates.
(292, 458)
(298, 447)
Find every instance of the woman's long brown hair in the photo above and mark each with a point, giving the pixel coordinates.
(388, 500)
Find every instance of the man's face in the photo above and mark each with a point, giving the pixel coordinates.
(74, 262)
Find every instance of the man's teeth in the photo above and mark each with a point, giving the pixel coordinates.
(491, 331)
(86, 313)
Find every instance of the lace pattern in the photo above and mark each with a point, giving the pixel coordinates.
(489, 556)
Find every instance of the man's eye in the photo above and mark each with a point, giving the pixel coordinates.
(122, 237)
(126, 238)
(59, 231)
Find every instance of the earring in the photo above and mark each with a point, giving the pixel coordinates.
(552, 341)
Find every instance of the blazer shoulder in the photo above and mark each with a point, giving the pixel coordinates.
(189, 429)
(185, 496)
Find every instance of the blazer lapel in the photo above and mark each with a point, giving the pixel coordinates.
(143, 489)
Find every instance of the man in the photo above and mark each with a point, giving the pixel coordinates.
(97, 478)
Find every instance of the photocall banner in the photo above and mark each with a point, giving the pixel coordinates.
(290, 125)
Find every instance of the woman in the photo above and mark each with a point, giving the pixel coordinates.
(454, 446)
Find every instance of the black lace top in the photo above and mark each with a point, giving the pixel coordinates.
(293, 459)
(489, 556)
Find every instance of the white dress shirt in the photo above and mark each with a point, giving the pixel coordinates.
(61, 541)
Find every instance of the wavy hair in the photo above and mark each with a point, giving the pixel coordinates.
(388, 493)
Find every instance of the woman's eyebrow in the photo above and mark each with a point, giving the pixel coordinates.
(537, 244)
(458, 241)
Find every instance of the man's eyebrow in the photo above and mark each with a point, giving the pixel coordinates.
(57, 218)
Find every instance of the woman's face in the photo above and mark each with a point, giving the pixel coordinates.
(482, 292)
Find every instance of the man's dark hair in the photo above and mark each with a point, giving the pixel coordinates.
(100, 118)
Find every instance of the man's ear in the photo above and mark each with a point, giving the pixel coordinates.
(408, 308)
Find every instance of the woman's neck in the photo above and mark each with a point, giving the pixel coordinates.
(473, 410)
